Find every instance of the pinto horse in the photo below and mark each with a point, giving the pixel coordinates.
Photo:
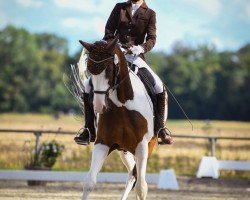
(125, 117)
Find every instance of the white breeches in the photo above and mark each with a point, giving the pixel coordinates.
(141, 64)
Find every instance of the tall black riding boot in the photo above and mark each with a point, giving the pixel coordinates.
(87, 134)
(160, 128)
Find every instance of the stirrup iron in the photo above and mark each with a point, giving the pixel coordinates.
(168, 132)
(78, 133)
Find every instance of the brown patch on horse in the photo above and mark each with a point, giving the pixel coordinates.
(120, 128)
(125, 90)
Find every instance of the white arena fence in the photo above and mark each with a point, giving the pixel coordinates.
(210, 166)
(165, 180)
(41, 175)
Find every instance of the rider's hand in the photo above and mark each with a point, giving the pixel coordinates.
(136, 50)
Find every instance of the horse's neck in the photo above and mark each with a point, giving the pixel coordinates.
(125, 90)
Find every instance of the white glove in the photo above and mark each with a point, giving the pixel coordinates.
(136, 50)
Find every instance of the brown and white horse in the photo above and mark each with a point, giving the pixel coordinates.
(124, 116)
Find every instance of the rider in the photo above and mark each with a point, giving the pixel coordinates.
(133, 21)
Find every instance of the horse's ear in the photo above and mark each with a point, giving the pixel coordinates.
(86, 45)
(112, 44)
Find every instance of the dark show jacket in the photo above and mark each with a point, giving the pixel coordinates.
(132, 30)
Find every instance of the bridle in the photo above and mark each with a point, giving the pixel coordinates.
(100, 61)
(116, 85)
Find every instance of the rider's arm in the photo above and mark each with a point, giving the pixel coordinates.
(151, 33)
(112, 23)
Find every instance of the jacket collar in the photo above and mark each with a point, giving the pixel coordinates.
(129, 9)
(144, 5)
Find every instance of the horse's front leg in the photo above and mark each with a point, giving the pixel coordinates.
(99, 155)
(129, 161)
(141, 156)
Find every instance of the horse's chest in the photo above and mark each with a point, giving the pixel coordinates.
(121, 127)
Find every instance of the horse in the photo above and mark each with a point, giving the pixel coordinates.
(125, 116)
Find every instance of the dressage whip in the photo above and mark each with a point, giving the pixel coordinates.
(179, 105)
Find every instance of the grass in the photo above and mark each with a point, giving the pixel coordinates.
(184, 156)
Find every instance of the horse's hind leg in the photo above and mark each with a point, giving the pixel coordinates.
(141, 154)
(129, 161)
(99, 155)
(151, 145)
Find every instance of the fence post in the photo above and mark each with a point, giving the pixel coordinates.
(212, 141)
(38, 135)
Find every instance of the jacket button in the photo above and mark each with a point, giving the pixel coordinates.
(129, 29)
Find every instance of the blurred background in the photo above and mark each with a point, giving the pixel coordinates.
(202, 54)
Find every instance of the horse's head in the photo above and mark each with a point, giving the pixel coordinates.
(103, 70)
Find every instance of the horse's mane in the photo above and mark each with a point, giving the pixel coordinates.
(124, 91)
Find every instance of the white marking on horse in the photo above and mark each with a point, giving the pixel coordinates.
(100, 83)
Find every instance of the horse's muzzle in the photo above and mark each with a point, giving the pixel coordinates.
(99, 103)
(101, 111)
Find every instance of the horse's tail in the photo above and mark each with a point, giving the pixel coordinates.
(74, 79)
(74, 84)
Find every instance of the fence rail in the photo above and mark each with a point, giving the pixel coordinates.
(38, 133)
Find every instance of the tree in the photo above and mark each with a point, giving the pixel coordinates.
(207, 83)
(189, 73)
(32, 66)
(19, 60)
